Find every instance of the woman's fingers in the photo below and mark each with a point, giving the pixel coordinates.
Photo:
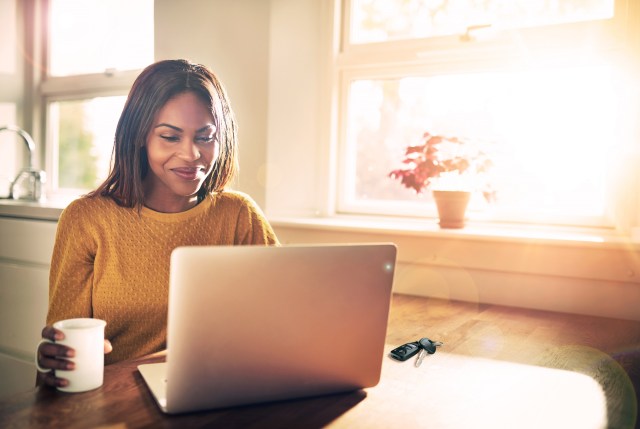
(55, 350)
(54, 356)
(51, 333)
(107, 346)
(56, 363)
(49, 379)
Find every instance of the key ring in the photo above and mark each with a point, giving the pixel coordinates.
(427, 347)
(422, 347)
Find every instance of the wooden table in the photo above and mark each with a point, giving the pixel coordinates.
(499, 367)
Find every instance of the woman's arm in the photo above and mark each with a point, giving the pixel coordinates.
(71, 273)
(70, 280)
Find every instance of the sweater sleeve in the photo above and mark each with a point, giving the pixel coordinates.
(252, 227)
(71, 274)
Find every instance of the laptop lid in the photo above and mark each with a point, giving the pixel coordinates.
(250, 324)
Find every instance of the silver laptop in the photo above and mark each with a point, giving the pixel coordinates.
(252, 324)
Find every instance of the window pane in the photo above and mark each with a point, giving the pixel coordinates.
(382, 20)
(546, 128)
(91, 36)
(84, 131)
(13, 149)
(8, 36)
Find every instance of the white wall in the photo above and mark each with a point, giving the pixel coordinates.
(298, 145)
(232, 38)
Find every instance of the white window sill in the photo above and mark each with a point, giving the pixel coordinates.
(498, 232)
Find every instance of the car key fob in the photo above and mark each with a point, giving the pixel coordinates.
(405, 351)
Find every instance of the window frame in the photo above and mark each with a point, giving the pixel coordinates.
(78, 87)
(439, 54)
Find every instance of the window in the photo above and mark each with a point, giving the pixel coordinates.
(84, 131)
(541, 84)
(10, 81)
(86, 82)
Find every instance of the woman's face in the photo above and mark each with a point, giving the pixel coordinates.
(181, 149)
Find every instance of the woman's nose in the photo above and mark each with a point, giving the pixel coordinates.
(189, 150)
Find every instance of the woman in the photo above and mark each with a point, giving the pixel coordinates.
(175, 151)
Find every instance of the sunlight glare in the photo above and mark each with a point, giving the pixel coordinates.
(117, 34)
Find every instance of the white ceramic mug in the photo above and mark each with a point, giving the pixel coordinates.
(86, 337)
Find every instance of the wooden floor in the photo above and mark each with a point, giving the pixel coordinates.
(608, 350)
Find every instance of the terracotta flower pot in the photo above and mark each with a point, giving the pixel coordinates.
(452, 206)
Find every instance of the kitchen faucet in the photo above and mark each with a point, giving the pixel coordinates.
(28, 183)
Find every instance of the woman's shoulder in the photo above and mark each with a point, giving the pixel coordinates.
(235, 198)
(87, 206)
(239, 210)
(235, 203)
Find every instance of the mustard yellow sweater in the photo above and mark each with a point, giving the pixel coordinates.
(112, 263)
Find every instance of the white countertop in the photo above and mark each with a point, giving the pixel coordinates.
(46, 209)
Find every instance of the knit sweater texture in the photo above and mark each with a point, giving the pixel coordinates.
(112, 263)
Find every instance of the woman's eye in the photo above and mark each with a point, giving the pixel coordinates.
(206, 139)
(170, 138)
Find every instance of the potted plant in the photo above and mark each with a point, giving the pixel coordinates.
(453, 167)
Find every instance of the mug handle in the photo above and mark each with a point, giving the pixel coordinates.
(38, 367)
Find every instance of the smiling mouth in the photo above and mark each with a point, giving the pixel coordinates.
(187, 173)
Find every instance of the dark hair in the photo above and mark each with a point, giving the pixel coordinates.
(152, 89)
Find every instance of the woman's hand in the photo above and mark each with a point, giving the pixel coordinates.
(52, 356)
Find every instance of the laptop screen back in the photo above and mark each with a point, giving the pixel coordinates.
(250, 324)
